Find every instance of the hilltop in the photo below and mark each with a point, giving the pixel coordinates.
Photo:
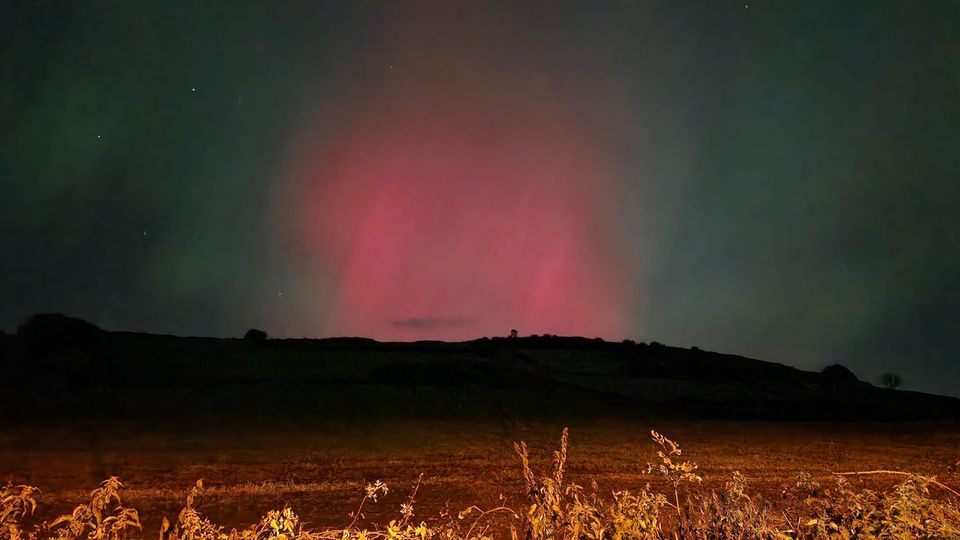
(61, 367)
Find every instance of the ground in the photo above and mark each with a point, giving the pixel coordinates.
(320, 467)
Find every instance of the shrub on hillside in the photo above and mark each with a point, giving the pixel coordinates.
(839, 374)
(255, 336)
(47, 333)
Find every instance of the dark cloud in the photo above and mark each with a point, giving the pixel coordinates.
(431, 323)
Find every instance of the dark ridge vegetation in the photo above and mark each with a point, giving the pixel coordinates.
(59, 366)
(255, 335)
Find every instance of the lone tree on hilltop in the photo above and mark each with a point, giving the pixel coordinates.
(255, 335)
(891, 380)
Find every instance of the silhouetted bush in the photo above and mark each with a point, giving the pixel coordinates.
(839, 374)
(891, 380)
(48, 333)
(255, 335)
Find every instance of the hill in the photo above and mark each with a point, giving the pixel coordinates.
(60, 367)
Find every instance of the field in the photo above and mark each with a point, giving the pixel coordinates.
(320, 467)
(314, 424)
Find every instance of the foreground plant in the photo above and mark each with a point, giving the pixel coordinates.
(732, 513)
(907, 511)
(570, 512)
(677, 473)
(285, 524)
(103, 518)
(16, 504)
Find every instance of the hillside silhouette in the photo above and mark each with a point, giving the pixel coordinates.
(59, 367)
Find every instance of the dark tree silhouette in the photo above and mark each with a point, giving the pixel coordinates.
(513, 332)
(255, 335)
(891, 380)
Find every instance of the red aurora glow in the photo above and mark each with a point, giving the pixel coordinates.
(465, 211)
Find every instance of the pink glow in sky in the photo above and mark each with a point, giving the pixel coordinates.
(436, 204)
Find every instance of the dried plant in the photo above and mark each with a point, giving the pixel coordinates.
(733, 514)
(103, 518)
(559, 511)
(907, 511)
(16, 504)
(676, 472)
(191, 525)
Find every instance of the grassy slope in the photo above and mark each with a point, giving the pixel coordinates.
(158, 376)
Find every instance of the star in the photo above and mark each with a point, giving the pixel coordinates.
(193, 89)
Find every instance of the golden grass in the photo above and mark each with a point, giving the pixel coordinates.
(672, 497)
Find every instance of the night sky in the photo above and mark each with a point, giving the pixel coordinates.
(772, 179)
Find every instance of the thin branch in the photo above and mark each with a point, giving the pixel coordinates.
(484, 513)
(410, 501)
(356, 514)
(900, 473)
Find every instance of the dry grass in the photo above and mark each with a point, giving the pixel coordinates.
(739, 484)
